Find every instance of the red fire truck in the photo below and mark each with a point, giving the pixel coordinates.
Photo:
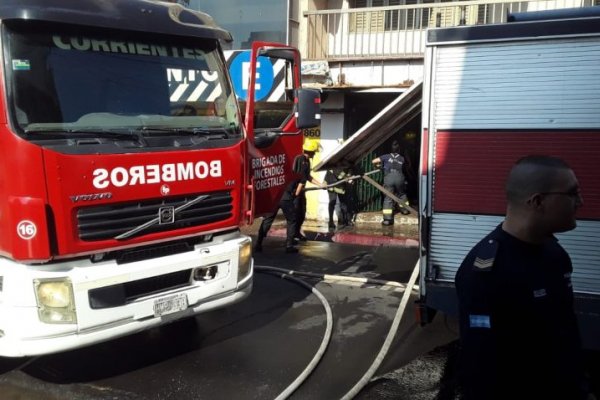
(122, 199)
(493, 94)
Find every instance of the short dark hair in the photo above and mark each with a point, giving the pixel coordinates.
(532, 174)
(395, 146)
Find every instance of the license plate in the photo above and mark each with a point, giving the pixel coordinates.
(170, 305)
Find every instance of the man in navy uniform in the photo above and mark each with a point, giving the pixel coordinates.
(394, 181)
(518, 331)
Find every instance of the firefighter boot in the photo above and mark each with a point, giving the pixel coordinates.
(388, 217)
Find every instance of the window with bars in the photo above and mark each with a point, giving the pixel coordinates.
(389, 20)
(366, 21)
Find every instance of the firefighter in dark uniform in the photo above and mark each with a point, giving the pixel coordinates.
(286, 204)
(309, 148)
(394, 181)
(519, 336)
(292, 203)
(339, 194)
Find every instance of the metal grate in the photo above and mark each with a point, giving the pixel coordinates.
(109, 221)
(123, 293)
(368, 197)
(144, 287)
(146, 253)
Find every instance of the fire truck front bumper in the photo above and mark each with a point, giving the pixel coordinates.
(79, 303)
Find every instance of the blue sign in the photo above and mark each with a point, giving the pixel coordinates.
(239, 69)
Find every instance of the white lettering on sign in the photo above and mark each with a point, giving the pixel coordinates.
(181, 76)
(26, 230)
(268, 171)
(124, 47)
(246, 74)
(150, 174)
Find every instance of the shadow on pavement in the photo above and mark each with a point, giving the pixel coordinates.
(152, 347)
(428, 377)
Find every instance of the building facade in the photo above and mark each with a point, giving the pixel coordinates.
(362, 55)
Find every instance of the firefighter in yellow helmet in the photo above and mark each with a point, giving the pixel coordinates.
(309, 149)
(292, 203)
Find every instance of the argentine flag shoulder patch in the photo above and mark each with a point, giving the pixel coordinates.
(479, 321)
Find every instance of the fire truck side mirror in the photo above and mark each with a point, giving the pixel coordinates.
(308, 108)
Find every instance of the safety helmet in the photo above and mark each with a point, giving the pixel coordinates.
(310, 146)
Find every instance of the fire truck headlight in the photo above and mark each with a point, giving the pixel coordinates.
(55, 301)
(245, 259)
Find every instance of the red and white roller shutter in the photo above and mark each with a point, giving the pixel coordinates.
(493, 103)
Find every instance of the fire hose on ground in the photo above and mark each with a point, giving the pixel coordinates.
(364, 380)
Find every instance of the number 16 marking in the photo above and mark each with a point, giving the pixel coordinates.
(26, 230)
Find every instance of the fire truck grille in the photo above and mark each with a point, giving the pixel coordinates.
(152, 215)
(123, 293)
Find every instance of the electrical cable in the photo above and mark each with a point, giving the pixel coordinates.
(326, 337)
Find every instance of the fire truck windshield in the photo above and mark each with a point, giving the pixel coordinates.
(64, 83)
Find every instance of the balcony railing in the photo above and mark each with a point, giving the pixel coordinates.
(399, 31)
